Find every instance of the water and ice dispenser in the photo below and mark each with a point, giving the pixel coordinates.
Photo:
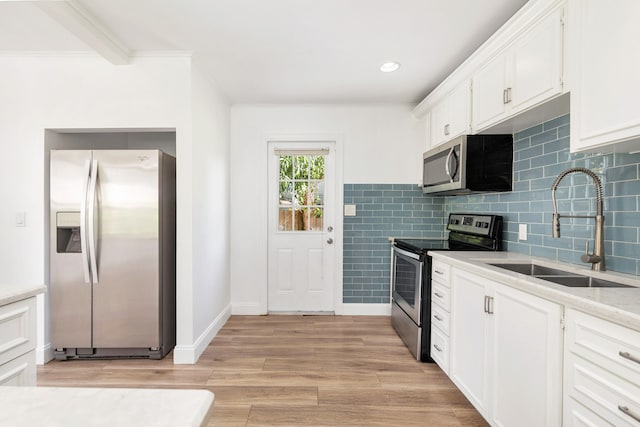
(68, 232)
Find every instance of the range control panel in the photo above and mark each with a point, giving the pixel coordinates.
(483, 225)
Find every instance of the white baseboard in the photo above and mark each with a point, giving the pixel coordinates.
(366, 309)
(44, 354)
(189, 354)
(247, 309)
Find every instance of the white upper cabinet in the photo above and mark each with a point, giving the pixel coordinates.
(604, 75)
(450, 117)
(525, 74)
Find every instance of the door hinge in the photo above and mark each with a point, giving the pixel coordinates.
(562, 323)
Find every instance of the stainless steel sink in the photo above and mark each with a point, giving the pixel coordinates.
(534, 270)
(561, 277)
(584, 282)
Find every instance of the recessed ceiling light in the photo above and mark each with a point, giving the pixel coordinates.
(389, 67)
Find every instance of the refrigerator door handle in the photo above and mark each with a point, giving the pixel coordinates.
(92, 230)
(83, 223)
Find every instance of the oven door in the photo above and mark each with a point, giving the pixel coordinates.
(406, 282)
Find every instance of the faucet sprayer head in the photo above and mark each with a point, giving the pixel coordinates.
(556, 226)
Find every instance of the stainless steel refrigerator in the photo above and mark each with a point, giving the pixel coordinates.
(112, 269)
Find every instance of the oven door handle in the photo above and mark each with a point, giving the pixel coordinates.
(406, 253)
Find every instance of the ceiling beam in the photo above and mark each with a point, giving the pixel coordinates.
(72, 16)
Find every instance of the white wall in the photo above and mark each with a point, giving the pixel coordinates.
(381, 144)
(37, 93)
(209, 298)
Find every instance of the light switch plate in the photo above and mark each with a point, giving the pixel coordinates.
(21, 219)
(522, 231)
(349, 210)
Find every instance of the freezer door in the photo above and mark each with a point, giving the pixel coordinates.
(126, 297)
(70, 288)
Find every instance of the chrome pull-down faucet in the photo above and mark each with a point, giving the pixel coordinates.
(597, 257)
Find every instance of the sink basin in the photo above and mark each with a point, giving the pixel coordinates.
(534, 270)
(560, 277)
(584, 282)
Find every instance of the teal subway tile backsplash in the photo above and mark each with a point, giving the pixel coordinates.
(382, 211)
(540, 154)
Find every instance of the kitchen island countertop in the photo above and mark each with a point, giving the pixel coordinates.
(619, 305)
(90, 407)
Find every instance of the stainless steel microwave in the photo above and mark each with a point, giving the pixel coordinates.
(469, 164)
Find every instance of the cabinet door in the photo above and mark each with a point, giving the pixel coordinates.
(460, 110)
(535, 64)
(439, 121)
(470, 335)
(605, 87)
(451, 116)
(488, 93)
(527, 359)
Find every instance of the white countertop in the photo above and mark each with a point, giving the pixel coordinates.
(88, 407)
(10, 292)
(620, 305)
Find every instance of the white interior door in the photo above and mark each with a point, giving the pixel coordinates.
(301, 227)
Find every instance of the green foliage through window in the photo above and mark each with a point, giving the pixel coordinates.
(301, 192)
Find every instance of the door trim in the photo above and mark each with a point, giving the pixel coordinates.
(338, 139)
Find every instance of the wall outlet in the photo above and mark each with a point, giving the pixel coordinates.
(522, 231)
(349, 210)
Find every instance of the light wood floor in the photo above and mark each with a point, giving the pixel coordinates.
(295, 371)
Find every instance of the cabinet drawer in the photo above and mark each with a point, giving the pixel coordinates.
(17, 329)
(441, 296)
(440, 349)
(576, 415)
(605, 344)
(613, 398)
(440, 318)
(440, 272)
(20, 371)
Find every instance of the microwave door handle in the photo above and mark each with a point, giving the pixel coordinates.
(446, 164)
(452, 154)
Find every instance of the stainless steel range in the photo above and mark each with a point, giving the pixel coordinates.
(411, 274)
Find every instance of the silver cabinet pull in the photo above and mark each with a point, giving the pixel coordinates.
(438, 272)
(628, 412)
(488, 304)
(629, 356)
(446, 129)
(439, 295)
(437, 348)
(438, 318)
(508, 95)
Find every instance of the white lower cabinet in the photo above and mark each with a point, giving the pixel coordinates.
(601, 372)
(440, 317)
(19, 371)
(17, 343)
(506, 351)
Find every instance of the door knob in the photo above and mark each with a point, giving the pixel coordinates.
(330, 240)
(329, 229)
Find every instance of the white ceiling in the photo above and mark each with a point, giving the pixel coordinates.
(281, 51)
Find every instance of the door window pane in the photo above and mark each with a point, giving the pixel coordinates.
(301, 185)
